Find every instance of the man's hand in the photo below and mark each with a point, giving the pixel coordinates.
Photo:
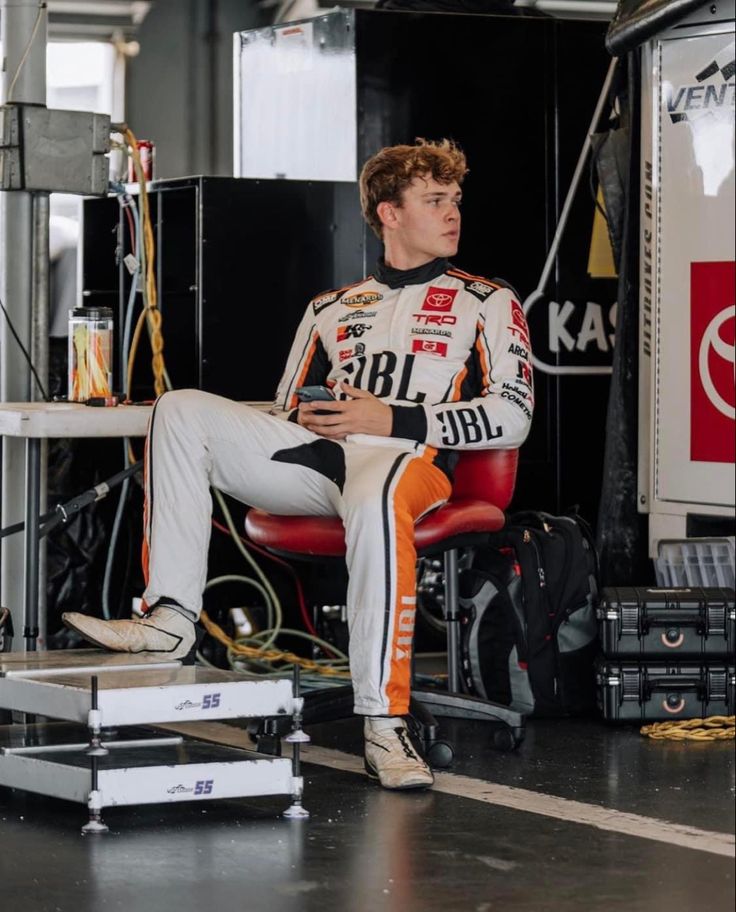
(364, 413)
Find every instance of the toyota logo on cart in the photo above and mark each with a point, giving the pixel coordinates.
(714, 347)
(712, 338)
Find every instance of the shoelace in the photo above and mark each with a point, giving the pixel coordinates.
(408, 750)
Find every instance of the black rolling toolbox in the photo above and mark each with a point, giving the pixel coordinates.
(667, 624)
(658, 691)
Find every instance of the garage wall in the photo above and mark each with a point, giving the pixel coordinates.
(179, 88)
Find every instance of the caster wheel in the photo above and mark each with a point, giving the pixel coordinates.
(440, 754)
(503, 740)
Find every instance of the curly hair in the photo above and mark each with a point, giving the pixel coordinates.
(389, 172)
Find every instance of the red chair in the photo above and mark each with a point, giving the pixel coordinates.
(483, 487)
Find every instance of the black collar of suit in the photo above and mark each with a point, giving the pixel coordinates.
(398, 278)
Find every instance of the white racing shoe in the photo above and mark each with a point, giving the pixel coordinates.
(390, 756)
(163, 632)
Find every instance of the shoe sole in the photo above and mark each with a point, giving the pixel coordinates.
(188, 659)
(372, 774)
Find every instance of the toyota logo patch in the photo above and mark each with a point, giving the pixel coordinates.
(439, 299)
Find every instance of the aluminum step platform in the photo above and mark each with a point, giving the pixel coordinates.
(62, 660)
(87, 758)
(133, 690)
(139, 768)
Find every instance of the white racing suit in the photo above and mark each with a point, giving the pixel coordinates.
(449, 352)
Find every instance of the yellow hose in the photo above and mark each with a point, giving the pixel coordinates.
(268, 655)
(150, 313)
(714, 728)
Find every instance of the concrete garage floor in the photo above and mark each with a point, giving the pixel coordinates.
(365, 849)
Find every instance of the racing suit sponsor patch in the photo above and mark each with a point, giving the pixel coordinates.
(346, 353)
(352, 331)
(519, 351)
(361, 299)
(358, 315)
(519, 388)
(439, 299)
(430, 347)
(518, 401)
(425, 331)
(519, 329)
(433, 319)
(524, 372)
(480, 288)
(323, 301)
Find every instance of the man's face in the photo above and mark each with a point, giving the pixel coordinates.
(427, 223)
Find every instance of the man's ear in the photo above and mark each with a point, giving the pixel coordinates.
(386, 212)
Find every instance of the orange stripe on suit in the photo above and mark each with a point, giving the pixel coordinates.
(420, 487)
(294, 402)
(466, 275)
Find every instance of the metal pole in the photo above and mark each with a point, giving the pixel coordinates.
(33, 484)
(539, 293)
(40, 357)
(578, 173)
(24, 28)
(453, 621)
(41, 292)
(212, 37)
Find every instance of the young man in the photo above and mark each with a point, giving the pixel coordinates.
(424, 360)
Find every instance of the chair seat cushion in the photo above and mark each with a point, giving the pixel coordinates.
(325, 536)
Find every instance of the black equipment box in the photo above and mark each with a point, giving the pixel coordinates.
(667, 624)
(236, 264)
(659, 691)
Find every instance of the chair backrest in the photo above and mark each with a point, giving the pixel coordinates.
(488, 475)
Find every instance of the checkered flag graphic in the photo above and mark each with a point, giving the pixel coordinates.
(725, 64)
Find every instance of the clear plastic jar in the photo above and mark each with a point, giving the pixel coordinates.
(90, 353)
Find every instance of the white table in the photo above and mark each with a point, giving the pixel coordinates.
(34, 421)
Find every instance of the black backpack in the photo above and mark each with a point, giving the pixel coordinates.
(529, 629)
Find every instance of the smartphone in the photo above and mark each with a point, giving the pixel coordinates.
(314, 394)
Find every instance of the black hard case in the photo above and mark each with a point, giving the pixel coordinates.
(669, 624)
(659, 691)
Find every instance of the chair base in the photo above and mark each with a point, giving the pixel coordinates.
(337, 703)
(334, 703)
(509, 732)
